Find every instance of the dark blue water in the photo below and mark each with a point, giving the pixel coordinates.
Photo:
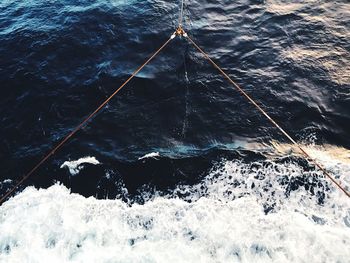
(60, 59)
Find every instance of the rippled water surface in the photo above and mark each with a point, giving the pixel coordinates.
(192, 172)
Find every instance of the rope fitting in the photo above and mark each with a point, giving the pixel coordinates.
(180, 32)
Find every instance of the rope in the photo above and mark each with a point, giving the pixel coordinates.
(52, 152)
(268, 117)
(179, 32)
(181, 13)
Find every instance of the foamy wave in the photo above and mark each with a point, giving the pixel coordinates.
(222, 219)
(75, 166)
(153, 155)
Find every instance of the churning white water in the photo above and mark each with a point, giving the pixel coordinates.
(75, 166)
(239, 213)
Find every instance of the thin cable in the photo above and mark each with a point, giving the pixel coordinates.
(268, 117)
(181, 13)
(52, 152)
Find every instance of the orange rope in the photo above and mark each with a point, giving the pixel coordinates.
(268, 117)
(52, 152)
(178, 32)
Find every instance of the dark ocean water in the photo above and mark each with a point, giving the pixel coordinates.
(192, 172)
(60, 59)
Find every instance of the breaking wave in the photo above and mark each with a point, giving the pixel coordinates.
(74, 167)
(265, 211)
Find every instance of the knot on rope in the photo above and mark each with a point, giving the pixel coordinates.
(180, 32)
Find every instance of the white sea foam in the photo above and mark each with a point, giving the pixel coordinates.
(153, 155)
(75, 166)
(221, 219)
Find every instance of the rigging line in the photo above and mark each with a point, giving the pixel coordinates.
(268, 117)
(181, 13)
(52, 152)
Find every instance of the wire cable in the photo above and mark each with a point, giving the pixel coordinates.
(52, 152)
(268, 117)
(181, 13)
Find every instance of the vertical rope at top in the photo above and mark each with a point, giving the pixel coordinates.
(181, 13)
